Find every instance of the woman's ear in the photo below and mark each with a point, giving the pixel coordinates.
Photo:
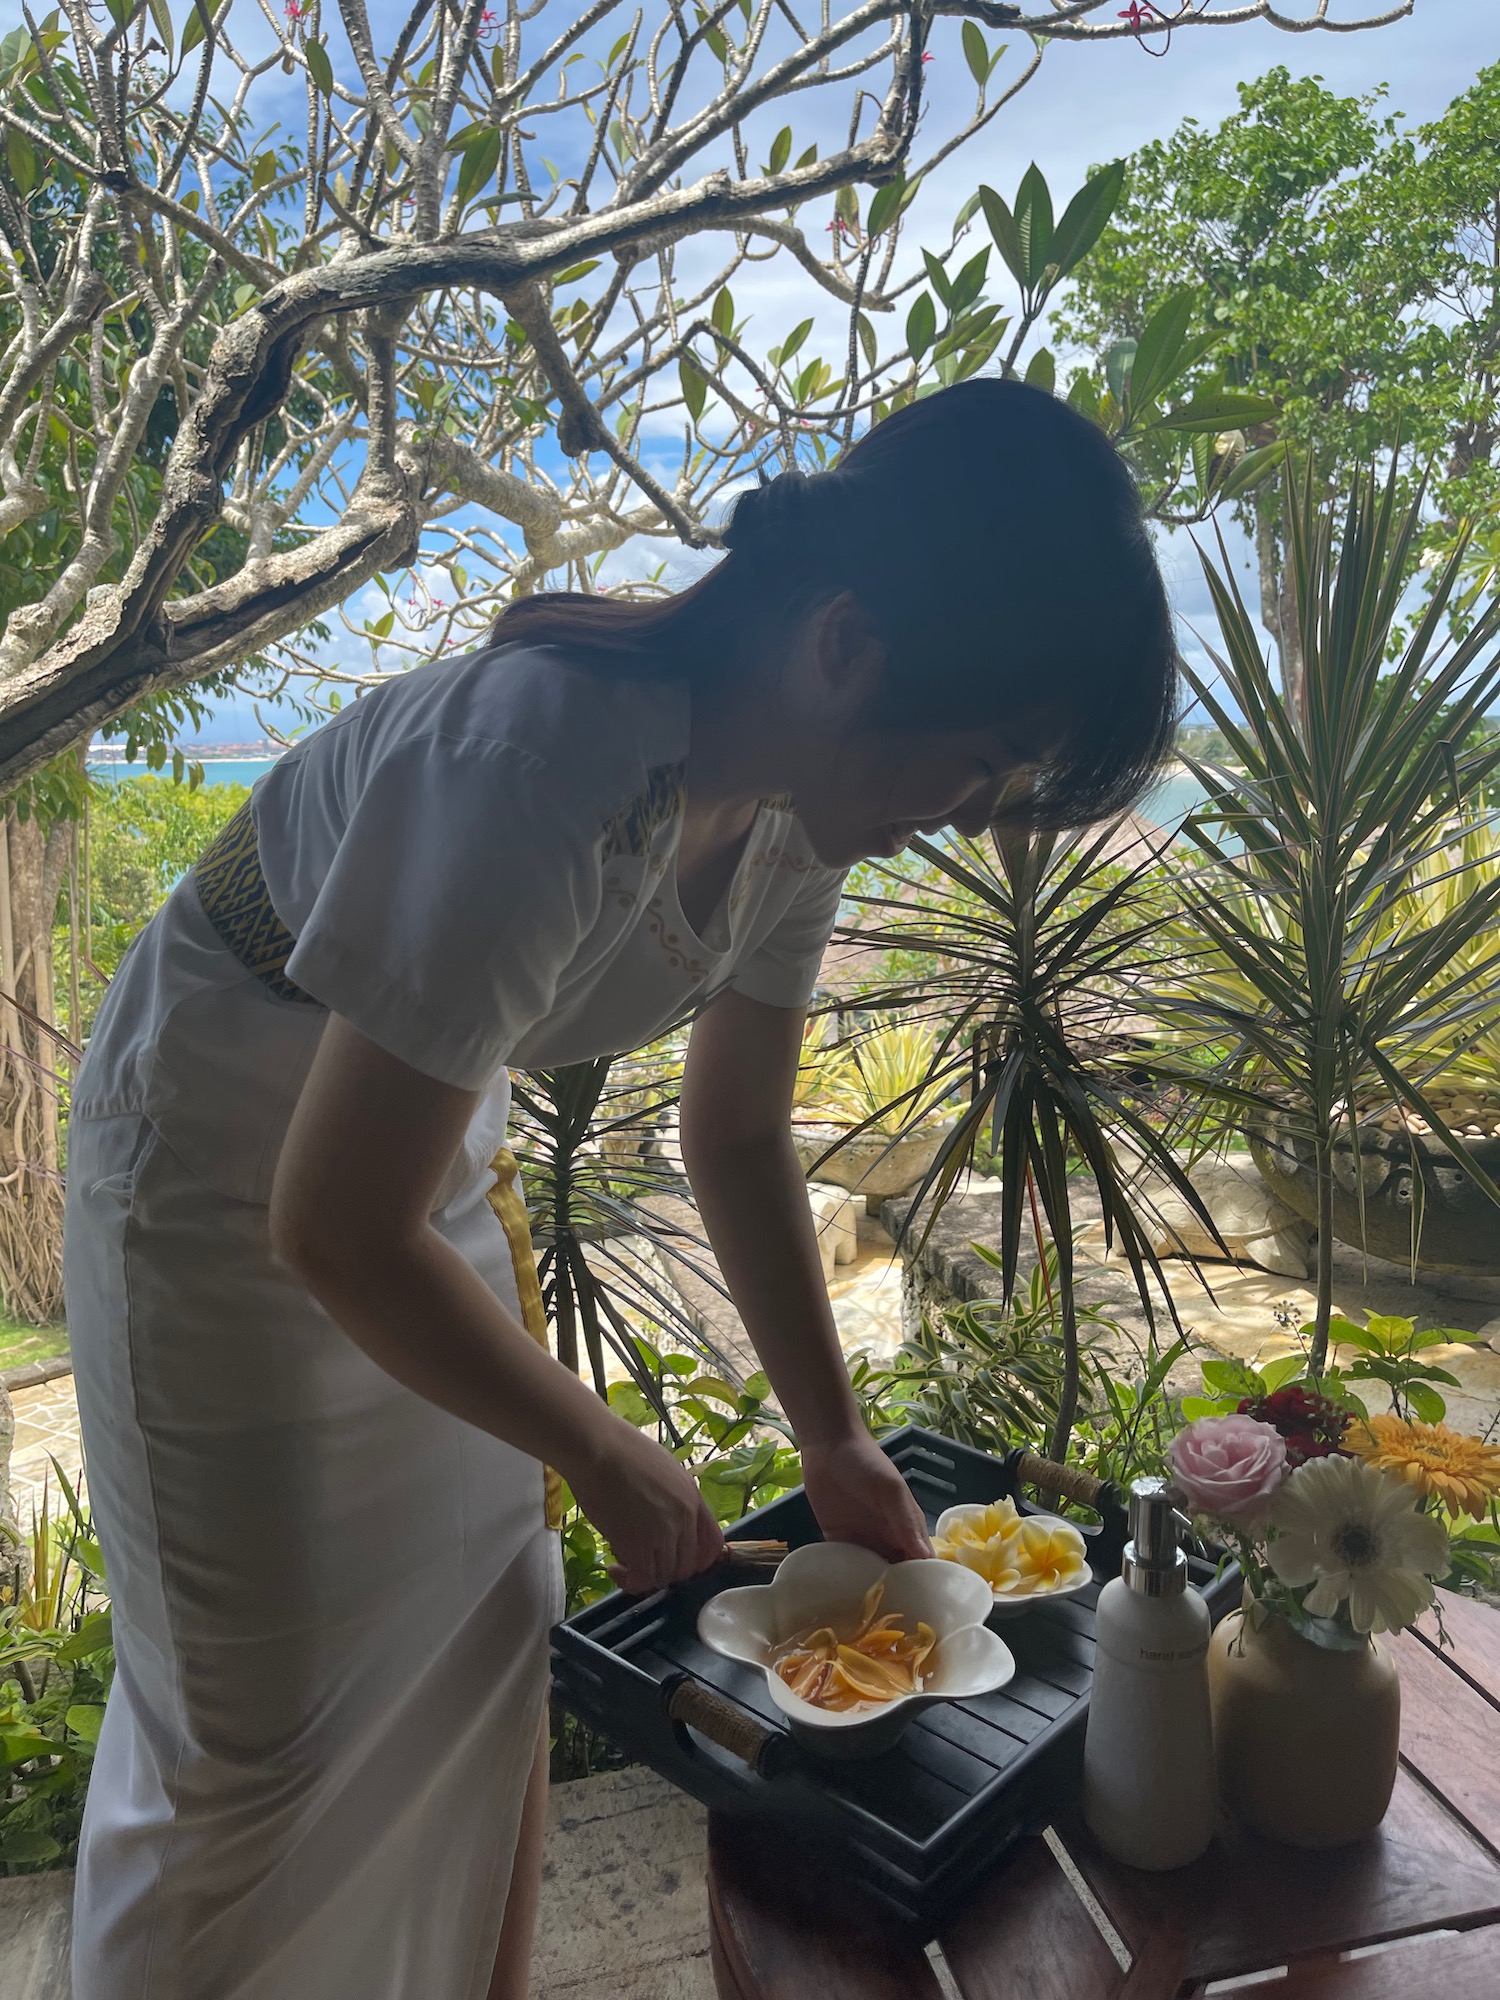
(848, 660)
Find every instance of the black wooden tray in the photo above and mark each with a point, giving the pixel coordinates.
(921, 1822)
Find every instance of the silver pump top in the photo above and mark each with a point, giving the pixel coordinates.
(1154, 1562)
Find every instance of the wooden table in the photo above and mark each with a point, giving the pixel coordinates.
(1430, 1876)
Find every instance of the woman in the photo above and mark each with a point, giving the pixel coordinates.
(315, 1425)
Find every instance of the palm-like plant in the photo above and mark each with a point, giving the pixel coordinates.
(588, 1137)
(1322, 973)
(1031, 961)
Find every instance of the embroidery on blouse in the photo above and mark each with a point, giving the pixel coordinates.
(236, 901)
(672, 947)
(633, 828)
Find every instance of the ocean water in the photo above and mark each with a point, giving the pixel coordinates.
(216, 770)
(1173, 799)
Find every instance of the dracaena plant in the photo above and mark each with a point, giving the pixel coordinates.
(1027, 953)
(1323, 969)
(589, 1140)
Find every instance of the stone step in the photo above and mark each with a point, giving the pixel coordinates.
(624, 1912)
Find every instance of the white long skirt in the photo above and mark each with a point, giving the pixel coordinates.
(331, 1607)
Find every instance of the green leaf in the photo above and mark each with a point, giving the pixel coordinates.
(196, 25)
(1427, 1405)
(123, 12)
(1002, 227)
(976, 53)
(792, 342)
(319, 68)
(694, 388)
(20, 156)
(1215, 410)
(1276, 1374)
(759, 1386)
(717, 1387)
(723, 312)
(1157, 357)
(1041, 370)
(1194, 1407)
(618, 50)
(161, 15)
(781, 150)
(867, 341)
(1119, 360)
(1034, 224)
(1084, 218)
(938, 278)
(969, 283)
(263, 170)
(25, 1847)
(574, 271)
(20, 1746)
(85, 1719)
(921, 325)
(806, 159)
(94, 1633)
(886, 206)
(626, 1400)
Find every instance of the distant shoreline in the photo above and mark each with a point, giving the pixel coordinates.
(220, 753)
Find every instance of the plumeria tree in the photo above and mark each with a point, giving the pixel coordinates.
(436, 295)
(296, 305)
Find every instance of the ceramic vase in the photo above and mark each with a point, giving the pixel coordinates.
(1306, 1737)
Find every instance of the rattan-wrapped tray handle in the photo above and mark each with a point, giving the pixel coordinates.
(733, 1728)
(1071, 1482)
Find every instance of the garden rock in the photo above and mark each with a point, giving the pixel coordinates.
(837, 1224)
(1257, 1227)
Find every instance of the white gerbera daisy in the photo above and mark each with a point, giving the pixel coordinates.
(1354, 1532)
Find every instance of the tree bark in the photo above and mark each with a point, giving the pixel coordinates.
(1278, 609)
(31, 867)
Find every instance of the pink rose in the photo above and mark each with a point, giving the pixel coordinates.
(1230, 1467)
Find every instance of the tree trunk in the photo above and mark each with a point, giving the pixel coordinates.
(32, 862)
(1278, 610)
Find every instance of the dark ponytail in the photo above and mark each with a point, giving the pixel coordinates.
(995, 540)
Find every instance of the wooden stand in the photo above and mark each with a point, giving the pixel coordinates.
(782, 1933)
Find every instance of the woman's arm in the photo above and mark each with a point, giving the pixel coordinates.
(369, 1144)
(737, 1146)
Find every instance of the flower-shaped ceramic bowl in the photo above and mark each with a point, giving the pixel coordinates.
(825, 1583)
(1010, 1603)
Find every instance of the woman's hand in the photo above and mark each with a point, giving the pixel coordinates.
(648, 1509)
(859, 1496)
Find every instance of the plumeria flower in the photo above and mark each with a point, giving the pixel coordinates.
(1355, 1533)
(489, 25)
(926, 57)
(293, 11)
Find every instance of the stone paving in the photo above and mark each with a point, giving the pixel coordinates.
(46, 1428)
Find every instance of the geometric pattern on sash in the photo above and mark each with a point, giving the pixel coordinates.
(633, 828)
(236, 901)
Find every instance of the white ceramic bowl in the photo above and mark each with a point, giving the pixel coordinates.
(1010, 1603)
(826, 1581)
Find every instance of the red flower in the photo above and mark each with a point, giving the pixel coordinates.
(1137, 15)
(1312, 1425)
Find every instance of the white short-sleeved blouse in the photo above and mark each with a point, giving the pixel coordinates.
(478, 862)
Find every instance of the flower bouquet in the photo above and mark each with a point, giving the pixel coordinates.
(1341, 1523)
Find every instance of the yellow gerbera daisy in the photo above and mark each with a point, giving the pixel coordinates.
(1459, 1470)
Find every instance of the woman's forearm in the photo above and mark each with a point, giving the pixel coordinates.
(753, 1199)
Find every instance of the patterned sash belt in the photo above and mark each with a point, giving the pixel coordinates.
(232, 889)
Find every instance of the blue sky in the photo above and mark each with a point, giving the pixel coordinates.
(1090, 104)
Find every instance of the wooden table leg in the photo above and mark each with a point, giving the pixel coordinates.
(781, 1933)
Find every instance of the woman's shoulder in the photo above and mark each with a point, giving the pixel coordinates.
(600, 740)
